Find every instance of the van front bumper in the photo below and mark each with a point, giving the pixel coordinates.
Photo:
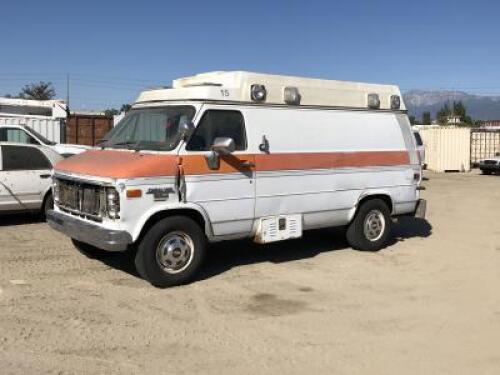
(105, 239)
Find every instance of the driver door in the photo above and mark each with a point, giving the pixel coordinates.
(226, 193)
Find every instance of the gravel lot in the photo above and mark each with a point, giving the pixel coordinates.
(428, 304)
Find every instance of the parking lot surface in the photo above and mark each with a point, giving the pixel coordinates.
(427, 304)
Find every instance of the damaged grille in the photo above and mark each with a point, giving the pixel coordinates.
(81, 199)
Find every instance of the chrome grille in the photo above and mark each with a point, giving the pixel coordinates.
(81, 199)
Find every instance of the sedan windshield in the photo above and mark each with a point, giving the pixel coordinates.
(150, 128)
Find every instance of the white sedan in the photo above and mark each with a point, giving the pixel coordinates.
(26, 135)
(25, 177)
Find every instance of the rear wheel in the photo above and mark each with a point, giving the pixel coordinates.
(371, 226)
(171, 252)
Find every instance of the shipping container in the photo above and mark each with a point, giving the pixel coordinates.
(447, 148)
(50, 128)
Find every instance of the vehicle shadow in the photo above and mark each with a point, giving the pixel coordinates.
(13, 219)
(224, 256)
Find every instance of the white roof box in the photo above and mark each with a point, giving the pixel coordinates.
(250, 87)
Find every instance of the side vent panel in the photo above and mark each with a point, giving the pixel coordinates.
(278, 228)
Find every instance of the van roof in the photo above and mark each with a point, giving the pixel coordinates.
(236, 86)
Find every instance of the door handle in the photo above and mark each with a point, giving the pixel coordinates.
(247, 164)
(44, 176)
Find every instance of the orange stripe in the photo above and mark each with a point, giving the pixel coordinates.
(196, 164)
(331, 160)
(119, 164)
(122, 164)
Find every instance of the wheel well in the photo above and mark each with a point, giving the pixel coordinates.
(387, 199)
(192, 214)
(47, 194)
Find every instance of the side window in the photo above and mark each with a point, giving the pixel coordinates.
(16, 136)
(218, 123)
(18, 158)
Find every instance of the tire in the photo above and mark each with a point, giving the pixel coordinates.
(48, 204)
(485, 172)
(90, 251)
(171, 252)
(375, 237)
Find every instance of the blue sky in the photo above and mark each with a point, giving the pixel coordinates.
(112, 49)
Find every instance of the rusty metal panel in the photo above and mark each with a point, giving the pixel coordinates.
(87, 129)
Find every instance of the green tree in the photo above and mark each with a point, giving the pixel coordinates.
(426, 118)
(38, 91)
(412, 120)
(443, 115)
(125, 108)
(110, 112)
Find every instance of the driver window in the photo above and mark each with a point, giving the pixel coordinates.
(218, 123)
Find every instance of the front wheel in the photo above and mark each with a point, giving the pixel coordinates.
(486, 172)
(171, 252)
(371, 226)
(48, 204)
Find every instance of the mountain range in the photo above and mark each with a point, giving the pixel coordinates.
(479, 107)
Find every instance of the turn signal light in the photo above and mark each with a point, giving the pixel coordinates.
(134, 193)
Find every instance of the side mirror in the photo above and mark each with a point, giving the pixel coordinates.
(185, 130)
(221, 146)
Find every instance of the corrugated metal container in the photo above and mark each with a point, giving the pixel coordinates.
(447, 149)
(50, 128)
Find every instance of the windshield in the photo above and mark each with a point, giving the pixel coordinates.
(149, 128)
(40, 137)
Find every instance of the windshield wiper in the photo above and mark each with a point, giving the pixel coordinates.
(124, 143)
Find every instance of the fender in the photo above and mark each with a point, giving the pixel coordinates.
(368, 193)
(166, 208)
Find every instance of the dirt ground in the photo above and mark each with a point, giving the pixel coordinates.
(428, 304)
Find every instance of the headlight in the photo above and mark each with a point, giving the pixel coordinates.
(112, 203)
(55, 190)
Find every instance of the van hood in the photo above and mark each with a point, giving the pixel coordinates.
(119, 164)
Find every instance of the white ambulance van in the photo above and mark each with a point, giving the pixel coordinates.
(230, 155)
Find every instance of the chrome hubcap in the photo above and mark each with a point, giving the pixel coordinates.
(175, 252)
(374, 225)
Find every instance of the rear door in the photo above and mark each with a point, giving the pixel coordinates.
(25, 177)
(226, 193)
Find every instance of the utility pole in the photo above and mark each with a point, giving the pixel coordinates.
(67, 90)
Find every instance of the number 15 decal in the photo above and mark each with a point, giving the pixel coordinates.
(224, 93)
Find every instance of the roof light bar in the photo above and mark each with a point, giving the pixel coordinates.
(258, 93)
(292, 96)
(395, 102)
(373, 101)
